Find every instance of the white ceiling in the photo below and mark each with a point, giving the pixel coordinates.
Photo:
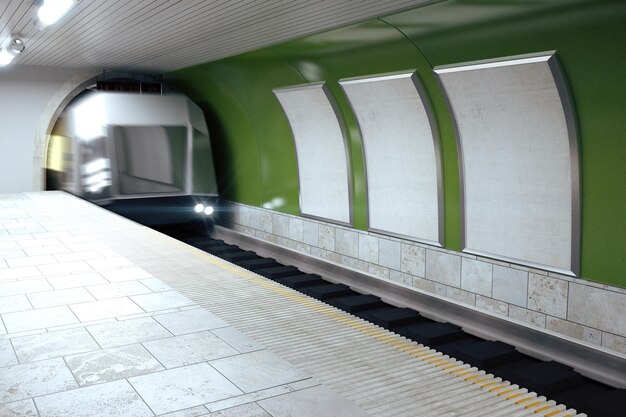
(163, 35)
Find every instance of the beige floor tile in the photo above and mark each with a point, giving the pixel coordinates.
(41, 318)
(113, 399)
(189, 349)
(186, 387)
(97, 310)
(112, 364)
(53, 344)
(127, 332)
(257, 370)
(20, 382)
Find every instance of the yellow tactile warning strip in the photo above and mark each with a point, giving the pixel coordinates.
(512, 394)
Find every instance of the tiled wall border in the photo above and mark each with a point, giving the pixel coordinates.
(580, 309)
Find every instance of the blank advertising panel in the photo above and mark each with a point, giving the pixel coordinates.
(401, 153)
(519, 160)
(321, 151)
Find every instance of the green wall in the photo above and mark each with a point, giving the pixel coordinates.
(253, 146)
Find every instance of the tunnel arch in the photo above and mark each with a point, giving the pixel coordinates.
(59, 101)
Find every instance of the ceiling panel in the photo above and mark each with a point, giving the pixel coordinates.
(162, 35)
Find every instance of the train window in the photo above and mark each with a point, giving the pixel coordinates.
(150, 159)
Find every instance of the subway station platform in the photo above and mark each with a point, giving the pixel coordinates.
(105, 317)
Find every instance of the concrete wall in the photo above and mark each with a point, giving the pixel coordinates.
(24, 95)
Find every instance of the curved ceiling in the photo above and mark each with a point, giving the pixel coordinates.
(163, 35)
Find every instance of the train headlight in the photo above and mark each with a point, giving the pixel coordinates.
(198, 208)
(208, 210)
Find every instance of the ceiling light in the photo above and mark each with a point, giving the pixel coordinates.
(16, 46)
(198, 208)
(51, 11)
(5, 57)
(208, 210)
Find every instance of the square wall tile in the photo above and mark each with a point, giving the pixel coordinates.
(510, 285)
(368, 248)
(280, 225)
(354, 263)
(443, 268)
(547, 295)
(389, 253)
(614, 342)
(461, 296)
(491, 305)
(254, 218)
(594, 336)
(310, 233)
(296, 229)
(243, 215)
(327, 237)
(413, 260)
(528, 316)
(266, 221)
(565, 327)
(476, 276)
(424, 284)
(378, 271)
(597, 308)
(401, 278)
(347, 242)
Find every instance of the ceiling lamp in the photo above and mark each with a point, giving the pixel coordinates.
(5, 57)
(51, 11)
(15, 48)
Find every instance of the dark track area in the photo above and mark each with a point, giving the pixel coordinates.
(548, 378)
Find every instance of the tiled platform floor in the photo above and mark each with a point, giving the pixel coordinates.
(85, 331)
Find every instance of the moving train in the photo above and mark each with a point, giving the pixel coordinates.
(147, 156)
